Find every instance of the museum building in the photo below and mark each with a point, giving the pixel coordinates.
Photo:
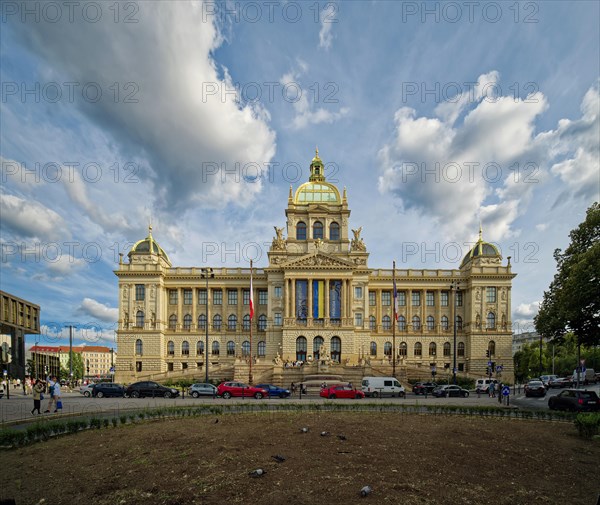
(318, 304)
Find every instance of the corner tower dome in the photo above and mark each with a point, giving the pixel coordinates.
(481, 249)
(148, 245)
(317, 189)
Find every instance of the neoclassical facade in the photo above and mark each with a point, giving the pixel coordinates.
(318, 301)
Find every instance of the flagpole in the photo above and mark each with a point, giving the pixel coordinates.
(250, 378)
(394, 322)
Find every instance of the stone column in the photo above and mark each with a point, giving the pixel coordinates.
(310, 299)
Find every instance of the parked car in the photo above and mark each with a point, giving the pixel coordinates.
(450, 391)
(382, 386)
(202, 389)
(275, 390)
(107, 389)
(149, 388)
(87, 389)
(535, 388)
(229, 389)
(560, 382)
(420, 388)
(546, 380)
(575, 400)
(483, 385)
(341, 391)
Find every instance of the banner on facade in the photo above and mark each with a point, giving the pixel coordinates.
(335, 299)
(302, 299)
(318, 299)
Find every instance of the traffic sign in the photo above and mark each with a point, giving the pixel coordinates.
(499, 368)
(505, 391)
(112, 370)
(489, 363)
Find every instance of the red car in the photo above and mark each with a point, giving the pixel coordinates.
(341, 392)
(229, 389)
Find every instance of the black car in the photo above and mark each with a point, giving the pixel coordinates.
(450, 391)
(107, 389)
(535, 388)
(420, 388)
(575, 400)
(149, 388)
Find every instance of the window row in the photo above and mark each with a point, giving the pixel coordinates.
(386, 322)
(261, 348)
(386, 298)
(217, 296)
(317, 231)
(217, 322)
(418, 349)
(318, 348)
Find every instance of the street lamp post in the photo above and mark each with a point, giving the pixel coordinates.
(454, 286)
(112, 365)
(207, 273)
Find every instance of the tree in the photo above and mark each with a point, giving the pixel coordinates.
(572, 302)
(77, 368)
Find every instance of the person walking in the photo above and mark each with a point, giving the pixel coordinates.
(38, 389)
(54, 392)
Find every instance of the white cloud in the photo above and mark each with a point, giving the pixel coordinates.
(63, 264)
(29, 218)
(327, 18)
(97, 310)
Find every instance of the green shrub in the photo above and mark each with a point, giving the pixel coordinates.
(588, 425)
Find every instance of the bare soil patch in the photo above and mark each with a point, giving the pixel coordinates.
(406, 459)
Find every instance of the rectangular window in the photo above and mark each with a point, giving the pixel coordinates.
(372, 298)
(358, 292)
(277, 291)
(172, 297)
(263, 297)
(358, 321)
(217, 296)
(187, 296)
(461, 367)
(444, 299)
(430, 299)
(491, 295)
(278, 319)
(232, 296)
(416, 298)
(138, 366)
(246, 296)
(459, 299)
(401, 298)
(140, 292)
(386, 298)
(202, 298)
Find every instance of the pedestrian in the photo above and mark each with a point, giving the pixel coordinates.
(492, 390)
(38, 389)
(293, 388)
(54, 392)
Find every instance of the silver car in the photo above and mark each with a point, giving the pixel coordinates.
(202, 389)
(87, 389)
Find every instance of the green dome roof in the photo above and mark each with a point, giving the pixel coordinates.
(317, 192)
(149, 245)
(481, 248)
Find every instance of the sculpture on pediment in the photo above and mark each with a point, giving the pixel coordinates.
(278, 241)
(357, 243)
(318, 244)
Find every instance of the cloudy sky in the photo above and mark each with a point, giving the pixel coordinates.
(197, 117)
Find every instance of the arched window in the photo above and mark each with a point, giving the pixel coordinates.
(139, 347)
(373, 348)
(231, 348)
(444, 323)
(187, 322)
(246, 322)
(262, 349)
(460, 349)
(334, 231)
(458, 323)
(217, 320)
(432, 349)
(170, 348)
(301, 231)
(232, 322)
(446, 348)
(491, 320)
(418, 349)
(372, 323)
(199, 348)
(416, 323)
(336, 349)
(387, 349)
(215, 348)
(403, 351)
(301, 349)
(185, 348)
(387, 323)
(262, 323)
(317, 343)
(172, 322)
(401, 323)
(492, 348)
(430, 323)
(245, 348)
(202, 321)
(317, 230)
(139, 319)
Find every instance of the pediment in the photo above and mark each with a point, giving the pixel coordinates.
(319, 260)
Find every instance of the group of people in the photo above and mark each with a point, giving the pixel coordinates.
(54, 395)
(293, 364)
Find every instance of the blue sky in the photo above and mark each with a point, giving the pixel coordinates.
(435, 116)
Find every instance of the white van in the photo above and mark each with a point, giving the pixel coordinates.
(587, 377)
(482, 385)
(381, 386)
